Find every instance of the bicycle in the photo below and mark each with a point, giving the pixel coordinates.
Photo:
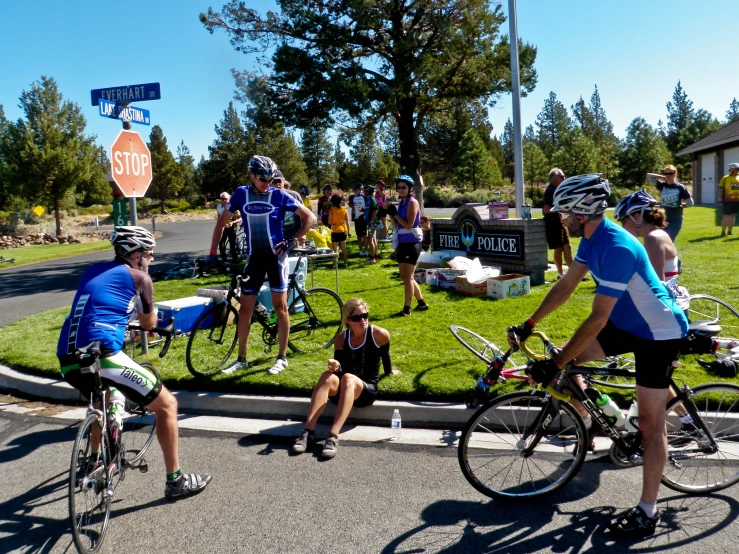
(186, 268)
(132, 341)
(315, 319)
(4, 260)
(526, 444)
(100, 456)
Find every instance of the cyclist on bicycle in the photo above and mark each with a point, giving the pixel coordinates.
(632, 312)
(262, 209)
(109, 294)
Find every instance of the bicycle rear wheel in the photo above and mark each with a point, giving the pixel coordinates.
(693, 465)
(89, 505)
(493, 452)
(316, 321)
(212, 340)
(139, 426)
(712, 310)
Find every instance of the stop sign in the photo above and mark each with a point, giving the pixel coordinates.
(131, 164)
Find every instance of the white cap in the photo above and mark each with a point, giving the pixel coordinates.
(733, 166)
(225, 195)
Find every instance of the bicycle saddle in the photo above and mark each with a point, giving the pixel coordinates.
(704, 329)
(307, 250)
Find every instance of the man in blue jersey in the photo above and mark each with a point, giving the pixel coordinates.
(108, 296)
(632, 312)
(262, 208)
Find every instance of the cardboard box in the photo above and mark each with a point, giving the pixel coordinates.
(447, 278)
(498, 210)
(185, 311)
(508, 286)
(432, 277)
(420, 277)
(471, 289)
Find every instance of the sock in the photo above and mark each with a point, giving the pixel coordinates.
(281, 357)
(686, 419)
(241, 359)
(650, 508)
(311, 432)
(175, 475)
(406, 309)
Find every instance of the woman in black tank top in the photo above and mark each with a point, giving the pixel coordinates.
(352, 376)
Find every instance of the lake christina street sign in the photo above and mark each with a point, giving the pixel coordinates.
(127, 94)
(133, 114)
(467, 236)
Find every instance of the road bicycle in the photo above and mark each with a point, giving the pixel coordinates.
(4, 260)
(102, 454)
(315, 319)
(132, 341)
(527, 444)
(186, 268)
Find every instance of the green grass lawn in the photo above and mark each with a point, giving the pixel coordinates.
(433, 365)
(42, 252)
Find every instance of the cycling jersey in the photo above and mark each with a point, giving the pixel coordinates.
(263, 215)
(109, 294)
(621, 268)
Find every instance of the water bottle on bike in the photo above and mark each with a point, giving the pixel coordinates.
(115, 413)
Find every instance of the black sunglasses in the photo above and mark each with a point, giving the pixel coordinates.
(264, 179)
(669, 173)
(359, 317)
(401, 187)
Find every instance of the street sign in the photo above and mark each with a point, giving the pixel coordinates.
(131, 164)
(126, 94)
(133, 114)
(39, 211)
(120, 213)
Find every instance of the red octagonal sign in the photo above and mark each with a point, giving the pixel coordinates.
(131, 164)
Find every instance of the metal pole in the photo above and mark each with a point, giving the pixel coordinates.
(516, 93)
(132, 209)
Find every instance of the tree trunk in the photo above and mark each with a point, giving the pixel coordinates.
(58, 217)
(163, 206)
(409, 162)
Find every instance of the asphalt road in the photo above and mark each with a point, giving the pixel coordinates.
(371, 498)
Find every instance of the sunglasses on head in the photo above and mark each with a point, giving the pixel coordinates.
(359, 317)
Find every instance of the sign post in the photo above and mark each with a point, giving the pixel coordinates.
(120, 214)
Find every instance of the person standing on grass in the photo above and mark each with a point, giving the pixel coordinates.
(352, 376)
(292, 221)
(673, 197)
(339, 220)
(381, 199)
(557, 238)
(325, 205)
(370, 218)
(407, 222)
(356, 206)
(229, 232)
(304, 192)
(728, 196)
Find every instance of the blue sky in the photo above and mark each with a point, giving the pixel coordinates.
(635, 51)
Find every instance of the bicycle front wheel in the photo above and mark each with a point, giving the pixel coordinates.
(139, 426)
(484, 349)
(89, 505)
(712, 310)
(695, 463)
(314, 320)
(506, 454)
(212, 340)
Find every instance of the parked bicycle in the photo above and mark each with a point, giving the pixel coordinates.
(186, 268)
(102, 453)
(527, 444)
(4, 260)
(315, 319)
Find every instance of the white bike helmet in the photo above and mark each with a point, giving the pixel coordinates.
(582, 195)
(262, 166)
(127, 239)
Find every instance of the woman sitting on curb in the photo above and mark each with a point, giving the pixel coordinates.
(352, 376)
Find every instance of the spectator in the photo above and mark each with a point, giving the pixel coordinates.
(728, 196)
(370, 217)
(352, 376)
(673, 197)
(325, 205)
(356, 204)
(381, 199)
(292, 221)
(304, 194)
(339, 220)
(426, 229)
(557, 237)
(229, 232)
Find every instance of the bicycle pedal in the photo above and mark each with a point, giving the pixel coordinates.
(143, 467)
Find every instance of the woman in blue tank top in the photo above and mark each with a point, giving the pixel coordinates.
(407, 218)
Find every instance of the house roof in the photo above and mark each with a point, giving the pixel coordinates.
(725, 135)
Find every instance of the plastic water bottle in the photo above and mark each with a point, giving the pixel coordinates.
(312, 243)
(611, 410)
(395, 426)
(632, 418)
(115, 412)
(260, 308)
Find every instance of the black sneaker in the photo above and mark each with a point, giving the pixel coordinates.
(402, 313)
(330, 447)
(303, 442)
(422, 307)
(186, 485)
(633, 524)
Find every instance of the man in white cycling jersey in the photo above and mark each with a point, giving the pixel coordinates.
(263, 209)
(632, 312)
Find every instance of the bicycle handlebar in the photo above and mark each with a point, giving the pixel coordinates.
(166, 332)
(564, 397)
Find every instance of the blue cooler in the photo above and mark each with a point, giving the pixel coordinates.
(185, 312)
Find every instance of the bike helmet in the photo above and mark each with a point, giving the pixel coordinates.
(582, 195)
(407, 178)
(370, 189)
(304, 190)
(640, 201)
(128, 239)
(357, 185)
(262, 166)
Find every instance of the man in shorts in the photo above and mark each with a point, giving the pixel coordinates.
(632, 312)
(108, 296)
(728, 196)
(263, 208)
(557, 238)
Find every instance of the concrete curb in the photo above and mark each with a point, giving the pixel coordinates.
(424, 415)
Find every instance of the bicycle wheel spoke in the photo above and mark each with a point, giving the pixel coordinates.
(212, 340)
(314, 320)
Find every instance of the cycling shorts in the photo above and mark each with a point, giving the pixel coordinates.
(408, 252)
(653, 357)
(275, 268)
(360, 227)
(138, 384)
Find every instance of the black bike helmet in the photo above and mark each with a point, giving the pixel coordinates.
(304, 190)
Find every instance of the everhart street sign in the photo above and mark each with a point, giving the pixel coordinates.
(127, 94)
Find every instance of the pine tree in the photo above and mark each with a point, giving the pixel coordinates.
(167, 178)
(577, 155)
(318, 155)
(191, 187)
(643, 151)
(276, 143)
(476, 165)
(535, 163)
(732, 114)
(679, 115)
(506, 142)
(583, 118)
(603, 137)
(96, 189)
(227, 166)
(553, 123)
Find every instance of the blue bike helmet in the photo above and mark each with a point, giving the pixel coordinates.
(304, 190)
(407, 178)
(640, 201)
(262, 166)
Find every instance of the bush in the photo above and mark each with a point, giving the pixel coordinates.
(97, 209)
(535, 196)
(177, 205)
(436, 197)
